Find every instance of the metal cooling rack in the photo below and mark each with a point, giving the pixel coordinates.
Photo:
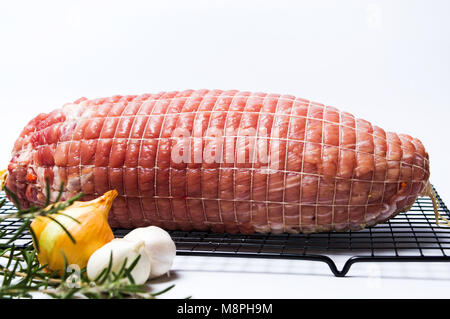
(409, 237)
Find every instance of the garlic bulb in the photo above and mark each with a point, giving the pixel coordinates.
(121, 249)
(159, 246)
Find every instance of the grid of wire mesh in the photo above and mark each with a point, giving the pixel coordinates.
(9, 226)
(411, 236)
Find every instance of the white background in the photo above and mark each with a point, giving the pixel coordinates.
(384, 61)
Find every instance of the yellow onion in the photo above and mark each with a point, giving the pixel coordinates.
(87, 222)
(3, 177)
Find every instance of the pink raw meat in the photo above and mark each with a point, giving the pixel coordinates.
(225, 161)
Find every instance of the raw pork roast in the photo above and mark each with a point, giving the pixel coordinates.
(225, 161)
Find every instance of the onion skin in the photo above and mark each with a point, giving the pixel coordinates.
(90, 233)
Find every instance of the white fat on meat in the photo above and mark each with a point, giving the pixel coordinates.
(26, 155)
(75, 111)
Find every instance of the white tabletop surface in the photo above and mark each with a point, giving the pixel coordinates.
(243, 278)
(384, 61)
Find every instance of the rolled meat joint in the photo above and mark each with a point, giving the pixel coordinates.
(221, 161)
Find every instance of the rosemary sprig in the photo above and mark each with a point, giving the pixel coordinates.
(27, 215)
(22, 275)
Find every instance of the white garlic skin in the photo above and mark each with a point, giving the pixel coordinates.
(121, 249)
(159, 246)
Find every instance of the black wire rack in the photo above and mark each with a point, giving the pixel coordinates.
(408, 237)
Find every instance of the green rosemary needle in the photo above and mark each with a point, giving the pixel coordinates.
(22, 276)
